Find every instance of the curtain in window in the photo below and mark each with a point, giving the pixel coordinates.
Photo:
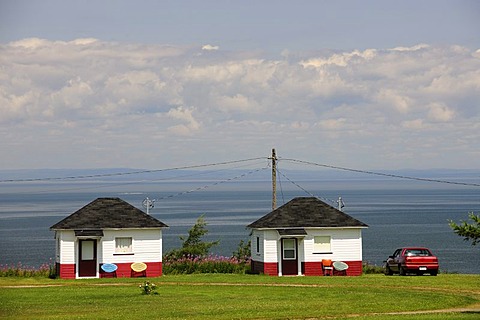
(123, 244)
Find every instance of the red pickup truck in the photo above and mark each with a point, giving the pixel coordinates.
(416, 260)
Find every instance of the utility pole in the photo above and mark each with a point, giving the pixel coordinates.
(274, 180)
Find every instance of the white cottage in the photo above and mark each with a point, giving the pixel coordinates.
(108, 231)
(295, 238)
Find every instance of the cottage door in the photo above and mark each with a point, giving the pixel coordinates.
(289, 257)
(87, 264)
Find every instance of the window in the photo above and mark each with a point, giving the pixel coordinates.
(289, 250)
(258, 245)
(123, 245)
(322, 244)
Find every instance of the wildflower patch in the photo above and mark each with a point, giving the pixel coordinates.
(148, 288)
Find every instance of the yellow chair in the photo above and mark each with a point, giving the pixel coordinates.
(139, 269)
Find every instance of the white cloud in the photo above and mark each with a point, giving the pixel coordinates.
(342, 59)
(394, 99)
(62, 93)
(416, 124)
(413, 48)
(184, 115)
(209, 47)
(332, 124)
(440, 112)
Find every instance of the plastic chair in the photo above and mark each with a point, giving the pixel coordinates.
(327, 267)
(139, 269)
(340, 268)
(109, 270)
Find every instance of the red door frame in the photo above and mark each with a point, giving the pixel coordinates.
(87, 268)
(290, 266)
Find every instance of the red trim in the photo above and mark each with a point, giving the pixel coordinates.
(308, 268)
(65, 271)
(315, 269)
(312, 269)
(154, 269)
(268, 268)
(354, 268)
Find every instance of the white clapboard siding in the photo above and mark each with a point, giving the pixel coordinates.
(268, 245)
(271, 247)
(67, 246)
(146, 246)
(346, 244)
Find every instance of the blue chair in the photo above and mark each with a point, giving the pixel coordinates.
(109, 270)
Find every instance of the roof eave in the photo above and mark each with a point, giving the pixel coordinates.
(338, 227)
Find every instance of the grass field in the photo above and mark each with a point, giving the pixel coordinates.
(220, 296)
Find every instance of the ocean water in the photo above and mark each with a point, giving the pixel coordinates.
(399, 213)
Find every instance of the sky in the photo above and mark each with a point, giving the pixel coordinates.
(368, 85)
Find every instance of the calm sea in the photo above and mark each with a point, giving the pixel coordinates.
(399, 213)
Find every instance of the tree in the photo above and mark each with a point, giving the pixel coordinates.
(243, 252)
(470, 232)
(193, 245)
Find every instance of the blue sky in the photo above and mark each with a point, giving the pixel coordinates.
(152, 84)
(248, 25)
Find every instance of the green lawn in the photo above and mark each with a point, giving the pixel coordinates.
(217, 296)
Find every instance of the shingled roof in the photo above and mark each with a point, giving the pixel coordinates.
(306, 212)
(106, 213)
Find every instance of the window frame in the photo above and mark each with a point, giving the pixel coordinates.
(116, 250)
(321, 247)
(294, 249)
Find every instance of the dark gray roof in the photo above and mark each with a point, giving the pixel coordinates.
(105, 213)
(308, 212)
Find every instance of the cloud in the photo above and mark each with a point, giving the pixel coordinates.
(209, 47)
(416, 124)
(440, 112)
(105, 97)
(186, 116)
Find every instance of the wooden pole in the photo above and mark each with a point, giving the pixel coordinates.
(274, 180)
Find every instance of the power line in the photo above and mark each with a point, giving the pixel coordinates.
(213, 184)
(382, 174)
(305, 190)
(130, 183)
(115, 174)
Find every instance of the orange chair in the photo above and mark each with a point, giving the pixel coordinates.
(327, 267)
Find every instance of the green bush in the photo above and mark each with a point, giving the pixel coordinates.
(209, 264)
(20, 270)
(148, 288)
(372, 269)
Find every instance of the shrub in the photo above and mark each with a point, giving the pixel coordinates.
(148, 288)
(372, 269)
(243, 252)
(209, 264)
(20, 270)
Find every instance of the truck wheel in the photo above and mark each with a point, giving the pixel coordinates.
(401, 270)
(434, 273)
